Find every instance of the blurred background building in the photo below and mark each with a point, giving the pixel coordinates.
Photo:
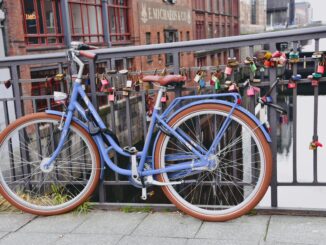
(303, 14)
(280, 14)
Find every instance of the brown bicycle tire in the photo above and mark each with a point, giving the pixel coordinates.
(268, 164)
(85, 196)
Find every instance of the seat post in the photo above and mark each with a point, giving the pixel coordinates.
(159, 97)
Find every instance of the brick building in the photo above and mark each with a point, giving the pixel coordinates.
(214, 18)
(42, 26)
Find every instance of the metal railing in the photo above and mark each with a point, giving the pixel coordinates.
(137, 100)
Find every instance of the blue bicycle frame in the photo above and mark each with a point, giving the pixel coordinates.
(201, 155)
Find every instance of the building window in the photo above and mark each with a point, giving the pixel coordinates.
(253, 12)
(118, 20)
(210, 30)
(217, 30)
(42, 22)
(148, 41)
(200, 30)
(199, 5)
(217, 6)
(170, 36)
(202, 61)
(188, 36)
(86, 21)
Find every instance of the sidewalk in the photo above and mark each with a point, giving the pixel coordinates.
(111, 227)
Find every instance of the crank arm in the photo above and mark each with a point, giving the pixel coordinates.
(151, 181)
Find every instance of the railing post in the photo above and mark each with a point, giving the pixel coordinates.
(106, 28)
(273, 124)
(315, 136)
(14, 70)
(92, 77)
(294, 116)
(176, 65)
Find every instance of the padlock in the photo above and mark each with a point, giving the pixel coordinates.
(250, 91)
(59, 77)
(129, 84)
(292, 85)
(104, 84)
(317, 55)
(232, 62)
(314, 82)
(321, 68)
(314, 145)
(202, 83)
(294, 57)
(233, 88)
(111, 97)
(228, 70)
(296, 77)
(7, 84)
(198, 76)
(253, 67)
(316, 75)
(217, 85)
(267, 64)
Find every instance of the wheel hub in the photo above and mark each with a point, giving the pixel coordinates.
(45, 166)
(213, 163)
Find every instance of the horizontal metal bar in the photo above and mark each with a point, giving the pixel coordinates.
(185, 46)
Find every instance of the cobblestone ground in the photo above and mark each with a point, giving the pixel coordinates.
(111, 227)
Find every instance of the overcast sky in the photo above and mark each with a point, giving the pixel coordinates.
(319, 7)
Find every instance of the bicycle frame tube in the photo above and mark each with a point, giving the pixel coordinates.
(198, 152)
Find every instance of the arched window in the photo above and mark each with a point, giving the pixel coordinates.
(42, 22)
(118, 21)
(86, 21)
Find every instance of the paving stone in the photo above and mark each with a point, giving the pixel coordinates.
(55, 224)
(116, 223)
(86, 239)
(168, 225)
(219, 242)
(249, 228)
(145, 240)
(29, 238)
(301, 230)
(13, 221)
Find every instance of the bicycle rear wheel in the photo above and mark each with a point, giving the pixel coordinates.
(31, 140)
(242, 168)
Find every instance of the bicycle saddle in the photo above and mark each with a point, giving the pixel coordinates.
(165, 80)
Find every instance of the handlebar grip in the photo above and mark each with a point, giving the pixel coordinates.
(87, 55)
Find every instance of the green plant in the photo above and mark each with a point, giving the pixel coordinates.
(130, 209)
(84, 208)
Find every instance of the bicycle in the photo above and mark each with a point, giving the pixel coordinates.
(211, 156)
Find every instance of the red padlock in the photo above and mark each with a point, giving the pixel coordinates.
(267, 63)
(111, 97)
(314, 83)
(321, 68)
(292, 85)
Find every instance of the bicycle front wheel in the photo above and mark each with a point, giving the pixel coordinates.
(26, 184)
(241, 163)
